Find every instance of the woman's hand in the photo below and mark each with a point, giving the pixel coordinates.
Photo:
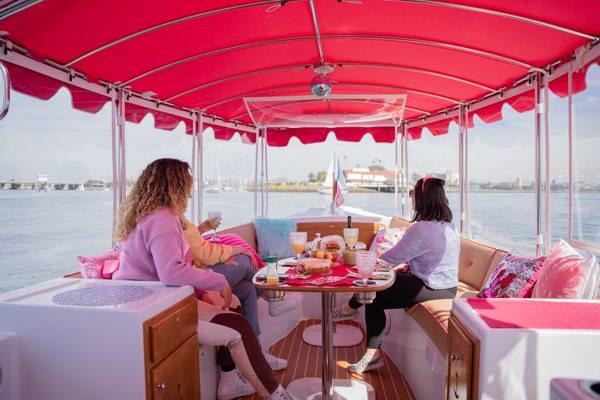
(227, 295)
(241, 250)
(204, 227)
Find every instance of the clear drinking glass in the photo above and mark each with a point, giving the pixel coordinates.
(214, 220)
(351, 236)
(298, 240)
(365, 263)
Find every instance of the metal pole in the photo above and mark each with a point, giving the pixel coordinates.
(256, 146)
(262, 174)
(396, 169)
(193, 215)
(122, 151)
(570, 133)
(200, 166)
(547, 162)
(466, 173)
(539, 109)
(334, 183)
(327, 340)
(266, 167)
(406, 170)
(403, 183)
(115, 165)
(461, 172)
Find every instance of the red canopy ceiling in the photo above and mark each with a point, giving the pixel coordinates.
(208, 55)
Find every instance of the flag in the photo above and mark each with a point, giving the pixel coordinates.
(340, 183)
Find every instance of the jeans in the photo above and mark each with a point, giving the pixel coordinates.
(406, 291)
(239, 277)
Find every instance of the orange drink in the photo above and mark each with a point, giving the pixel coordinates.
(272, 280)
(298, 248)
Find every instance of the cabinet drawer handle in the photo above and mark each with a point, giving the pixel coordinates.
(161, 386)
(454, 357)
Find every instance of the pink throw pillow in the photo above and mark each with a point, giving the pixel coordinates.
(231, 239)
(564, 274)
(385, 239)
(514, 277)
(102, 266)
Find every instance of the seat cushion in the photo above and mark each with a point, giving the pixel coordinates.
(475, 260)
(433, 315)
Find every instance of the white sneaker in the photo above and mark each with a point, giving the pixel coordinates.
(233, 385)
(288, 304)
(280, 394)
(275, 363)
(366, 363)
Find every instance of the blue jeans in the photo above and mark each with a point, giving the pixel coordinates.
(239, 276)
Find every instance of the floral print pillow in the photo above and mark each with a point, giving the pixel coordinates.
(385, 239)
(514, 276)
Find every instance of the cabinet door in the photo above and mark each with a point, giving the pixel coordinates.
(177, 376)
(460, 363)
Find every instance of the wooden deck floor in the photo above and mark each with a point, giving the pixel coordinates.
(304, 361)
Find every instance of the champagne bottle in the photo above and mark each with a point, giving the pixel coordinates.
(349, 221)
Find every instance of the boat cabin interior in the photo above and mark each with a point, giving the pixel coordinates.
(273, 74)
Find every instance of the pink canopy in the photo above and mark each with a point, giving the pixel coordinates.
(209, 55)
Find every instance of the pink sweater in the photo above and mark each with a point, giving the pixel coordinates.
(156, 250)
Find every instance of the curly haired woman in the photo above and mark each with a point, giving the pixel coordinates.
(154, 249)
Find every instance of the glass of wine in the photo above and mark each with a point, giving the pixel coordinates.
(365, 263)
(298, 240)
(351, 236)
(214, 220)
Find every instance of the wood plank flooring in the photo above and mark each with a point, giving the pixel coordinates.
(304, 361)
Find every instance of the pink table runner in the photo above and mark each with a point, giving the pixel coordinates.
(339, 271)
(537, 314)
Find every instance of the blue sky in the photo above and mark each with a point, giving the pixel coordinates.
(48, 137)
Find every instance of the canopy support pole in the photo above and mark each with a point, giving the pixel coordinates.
(200, 166)
(115, 164)
(405, 207)
(122, 159)
(266, 173)
(570, 133)
(193, 214)
(396, 208)
(539, 109)
(256, 151)
(466, 173)
(547, 222)
(461, 171)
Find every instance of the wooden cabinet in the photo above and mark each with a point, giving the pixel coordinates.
(176, 377)
(171, 353)
(462, 359)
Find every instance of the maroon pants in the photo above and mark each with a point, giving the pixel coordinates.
(252, 346)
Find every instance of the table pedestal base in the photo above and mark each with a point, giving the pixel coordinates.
(343, 335)
(343, 389)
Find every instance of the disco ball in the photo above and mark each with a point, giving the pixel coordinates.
(320, 86)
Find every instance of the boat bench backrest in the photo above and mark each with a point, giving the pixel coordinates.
(246, 232)
(477, 261)
(367, 230)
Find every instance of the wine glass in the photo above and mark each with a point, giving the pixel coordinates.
(351, 236)
(214, 220)
(365, 263)
(298, 240)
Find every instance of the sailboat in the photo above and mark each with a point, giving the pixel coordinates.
(215, 188)
(327, 187)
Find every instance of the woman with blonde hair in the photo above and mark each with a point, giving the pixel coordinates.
(154, 249)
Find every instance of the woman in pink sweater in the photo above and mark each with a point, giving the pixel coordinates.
(154, 249)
